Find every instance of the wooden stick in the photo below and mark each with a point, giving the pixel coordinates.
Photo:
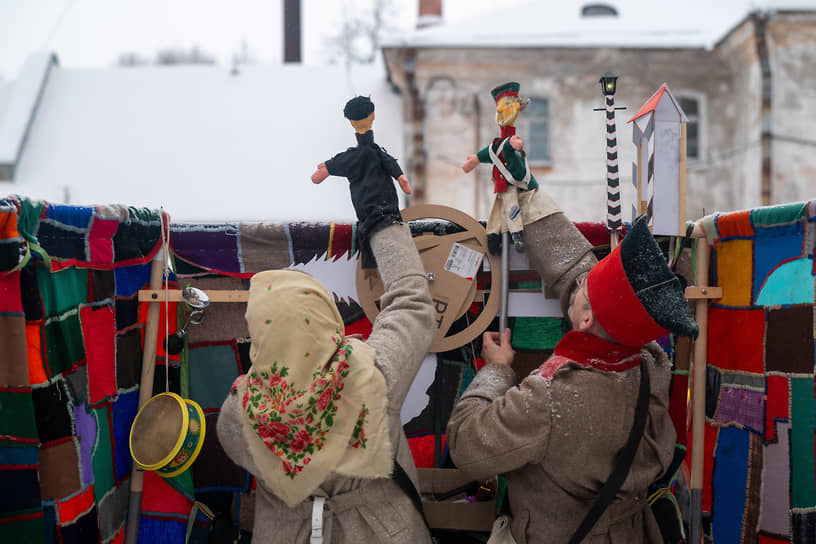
(174, 295)
(145, 390)
(699, 396)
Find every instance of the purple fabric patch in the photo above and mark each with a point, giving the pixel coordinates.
(86, 431)
(214, 247)
(741, 406)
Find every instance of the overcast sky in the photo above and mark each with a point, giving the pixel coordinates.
(92, 33)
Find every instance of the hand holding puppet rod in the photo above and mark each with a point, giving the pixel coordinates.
(369, 169)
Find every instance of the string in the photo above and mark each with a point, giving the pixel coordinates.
(166, 273)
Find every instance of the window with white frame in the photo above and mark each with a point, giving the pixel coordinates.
(536, 117)
(693, 105)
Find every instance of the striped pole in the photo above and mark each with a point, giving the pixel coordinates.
(650, 180)
(613, 202)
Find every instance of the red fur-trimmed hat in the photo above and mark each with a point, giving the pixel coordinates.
(505, 89)
(635, 296)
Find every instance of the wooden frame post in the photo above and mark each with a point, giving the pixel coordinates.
(145, 392)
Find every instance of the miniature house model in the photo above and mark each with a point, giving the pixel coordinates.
(659, 163)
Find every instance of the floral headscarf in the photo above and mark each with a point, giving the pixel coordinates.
(314, 401)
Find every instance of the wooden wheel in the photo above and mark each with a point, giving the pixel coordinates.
(448, 259)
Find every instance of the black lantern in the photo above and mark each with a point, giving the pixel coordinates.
(608, 84)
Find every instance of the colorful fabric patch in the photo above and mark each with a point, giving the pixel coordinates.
(735, 225)
(61, 241)
(212, 369)
(62, 290)
(159, 496)
(77, 385)
(25, 527)
(100, 240)
(102, 453)
(213, 469)
(536, 332)
(17, 420)
(101, 285)
(212, 247)
(36, 370)
(678, 400)
(790, 283)
(30, 292)
(777, 405)
(775, 518)
(775, 215)
(85, 529)
(112, 512)
(729, 479)
(59, 469)
(734, 272)
(63, 342)
(423, 449)
(712, 391)
(160, 530)
(129, 279)
(128, 359)
(773, 246)
(53, 412)
(265, 247)
(85, 425)
(19, 485)
(127, 312)
(789, 342)
(222, 321)
(99, 336)
(740, 338)
(13, 347)
(803, 525)
(803, 472)
(741, 406)
(137, 239)
(309, 241)
(71, 508)
(10, 299)
(123, 413)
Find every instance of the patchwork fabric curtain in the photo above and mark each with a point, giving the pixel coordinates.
(759, 475)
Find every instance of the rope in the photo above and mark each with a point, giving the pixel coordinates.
(166, 278)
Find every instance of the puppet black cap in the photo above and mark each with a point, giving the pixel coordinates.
(358, 108)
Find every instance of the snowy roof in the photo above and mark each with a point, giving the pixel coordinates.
(204, 143)
(638, 24)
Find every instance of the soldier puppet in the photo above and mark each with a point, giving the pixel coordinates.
(369, 169)
(518, 201)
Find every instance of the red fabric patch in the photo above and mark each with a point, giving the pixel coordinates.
(70, 509)
(11, 300)
(735, 224)
(36, 371)
(340, 241)
(172, 325)
(422, 449)
(738, 337)
(777, 404)
(764, 539)
(710, 438)
(361, 326)
(616, 306)
(100, 240)
(159, 496)
(678, 406)
(99, 335)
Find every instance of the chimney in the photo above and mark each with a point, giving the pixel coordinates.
(291, 31)
(430, 13)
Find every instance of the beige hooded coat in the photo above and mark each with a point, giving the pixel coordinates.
(360, 510)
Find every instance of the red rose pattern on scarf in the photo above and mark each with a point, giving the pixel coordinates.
(293, 422)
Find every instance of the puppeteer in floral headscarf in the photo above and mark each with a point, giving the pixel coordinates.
(314, 401)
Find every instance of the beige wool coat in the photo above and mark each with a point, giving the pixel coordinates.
(556, 439)
(358, 510)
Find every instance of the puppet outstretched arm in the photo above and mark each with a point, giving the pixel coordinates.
(404, 184)
(320, 174)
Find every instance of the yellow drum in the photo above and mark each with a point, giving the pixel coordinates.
(167, 434)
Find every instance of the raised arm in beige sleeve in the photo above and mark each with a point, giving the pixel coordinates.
(404, 329)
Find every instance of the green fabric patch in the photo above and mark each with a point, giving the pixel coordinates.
(30, 531)
(777, 215)
(803, 490)
(183, 483)
(102, 454)
(62, 290)
(64, 346)
(28, 218)
(536, 332)
(212, 369)
(17, 415)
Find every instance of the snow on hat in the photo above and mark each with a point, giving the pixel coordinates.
(505, 89)
(358, 108)
(634, 295)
